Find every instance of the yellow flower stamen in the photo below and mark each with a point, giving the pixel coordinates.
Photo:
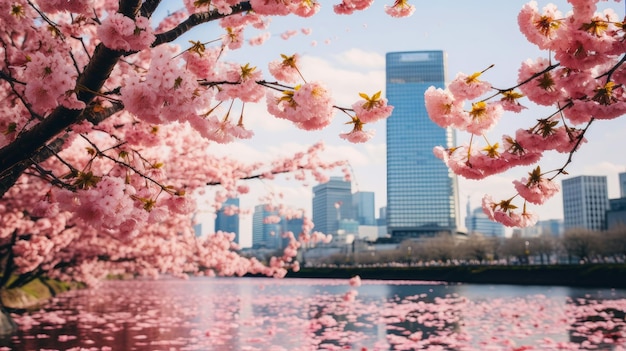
(546, 25)
(511, 95)
(492, 150)
(479, 109)
(604, 95)
(289, 61)
(370, 102)
(595, 27)
(197, 47)
(246, 71)
(18, 11)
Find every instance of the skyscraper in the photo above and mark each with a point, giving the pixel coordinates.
(585, 202)
(227, 222)
(422, 194)
(363, 203)
(332, 201)
(622, 184)
(265, 235)
(269, 234)
(478, 222)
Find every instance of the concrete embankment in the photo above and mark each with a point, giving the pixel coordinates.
(584, 275)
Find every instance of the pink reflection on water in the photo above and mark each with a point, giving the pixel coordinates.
(322, 314)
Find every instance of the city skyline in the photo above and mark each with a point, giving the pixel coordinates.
(476, 219)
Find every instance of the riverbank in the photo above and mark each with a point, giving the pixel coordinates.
(33, 294)
(584, 275)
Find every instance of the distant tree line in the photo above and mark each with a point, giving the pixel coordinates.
(574, 246)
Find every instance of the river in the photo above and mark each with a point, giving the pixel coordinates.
(267, 314)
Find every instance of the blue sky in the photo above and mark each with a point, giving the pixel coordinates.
(350, 58)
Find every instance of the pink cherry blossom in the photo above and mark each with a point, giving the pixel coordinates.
(286, 70)
(75, 6)
(443, 108)
(347, 7)
(305, 8)
(310, 106)
(260, 39)
(400, 8)
(561, 139)
(49, 82)
(350, 296)
(503, 212)
(464, 87)
(264, 7)
(541, 90)
(483, 117)
(372, 109)
(119, 32)
(540, 28)
(458, 160)
(536, 191)
(357, 136)
(355, 281)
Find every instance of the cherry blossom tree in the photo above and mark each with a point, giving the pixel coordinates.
(107, 123)
(582, 76)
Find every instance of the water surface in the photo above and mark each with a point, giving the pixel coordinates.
(323, 314)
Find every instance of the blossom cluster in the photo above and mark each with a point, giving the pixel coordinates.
(119, 32)
(583, 81)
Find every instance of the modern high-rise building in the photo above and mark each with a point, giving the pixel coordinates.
(616, 215)
(422, 193)
(382, 217)
(363, 203)
(548, 227)
(269, 234)
(265, 234)
(477, 222)
(332, 202)
(585, 202)
(227, 222)
(553, 227)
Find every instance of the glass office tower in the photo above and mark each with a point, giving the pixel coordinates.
(363, 202)
(585, 202)
(332, 202)
(265, 235)
(422, 194)
(228, 223)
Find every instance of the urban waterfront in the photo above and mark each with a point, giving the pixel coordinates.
(323, 314)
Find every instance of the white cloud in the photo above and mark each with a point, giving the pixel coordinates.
(345, 84)
(239, 151)
(358, 58)
(256, 117)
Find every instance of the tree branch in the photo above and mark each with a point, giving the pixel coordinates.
(8, 267)
(148, 7)
(10, 176)
(31, 141)
(196, 19)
